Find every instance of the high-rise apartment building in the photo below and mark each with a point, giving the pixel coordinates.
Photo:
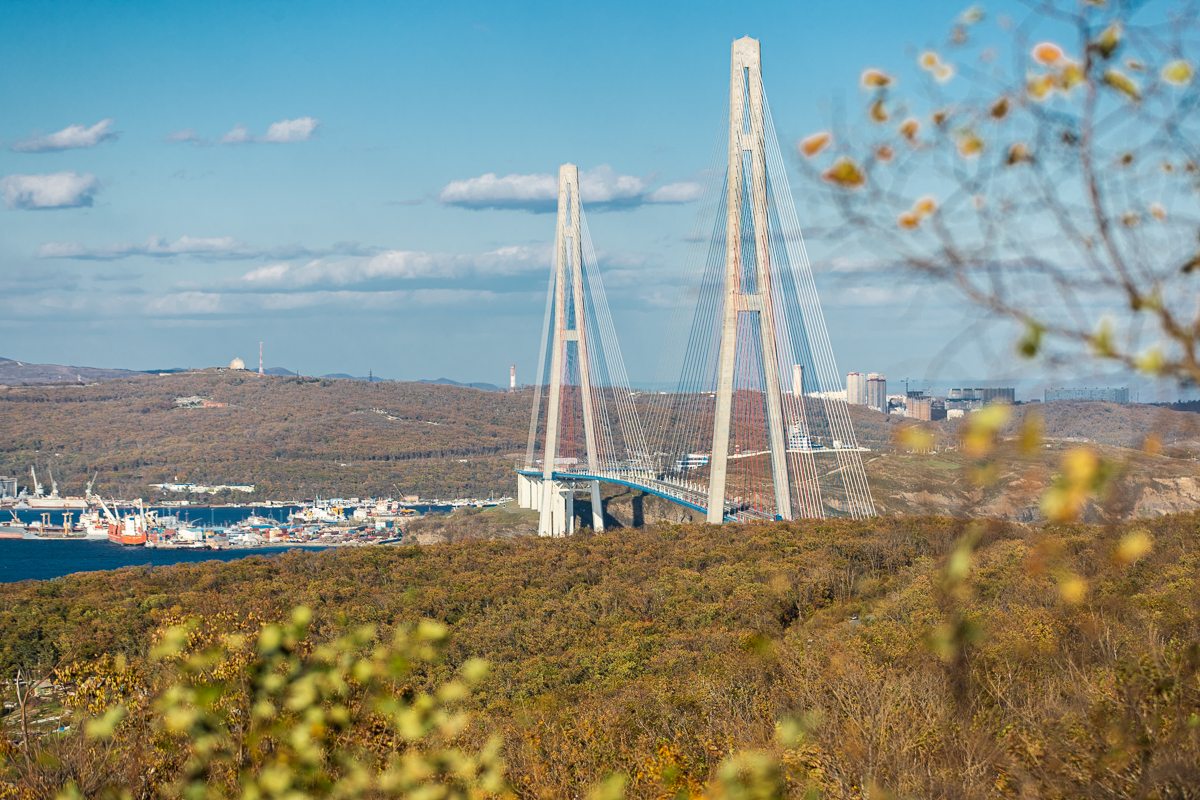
(877, 391)
(856, 389)
(920, 408)
(1093, 395)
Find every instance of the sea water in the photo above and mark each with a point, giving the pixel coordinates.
(23, 559)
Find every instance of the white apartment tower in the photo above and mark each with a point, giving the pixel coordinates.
(877, 391)
(856, 389)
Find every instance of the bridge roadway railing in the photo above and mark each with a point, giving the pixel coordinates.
(690, 495)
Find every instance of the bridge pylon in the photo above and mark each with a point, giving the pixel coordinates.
(747, 279)
(569, 347)
(757, 422)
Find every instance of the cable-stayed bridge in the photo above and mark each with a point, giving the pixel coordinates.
(750, 430)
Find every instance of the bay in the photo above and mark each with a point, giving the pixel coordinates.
(23, 559)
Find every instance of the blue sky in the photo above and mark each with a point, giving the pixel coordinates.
(183, 180)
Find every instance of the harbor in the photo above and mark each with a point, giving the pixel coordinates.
(320, 522)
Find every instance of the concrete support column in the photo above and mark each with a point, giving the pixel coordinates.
(558, 510)
(597, 508)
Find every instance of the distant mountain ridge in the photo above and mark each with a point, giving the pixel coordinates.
(20, 373)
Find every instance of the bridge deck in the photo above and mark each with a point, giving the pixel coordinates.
(686, 496)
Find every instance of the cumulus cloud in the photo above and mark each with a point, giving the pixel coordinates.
(291, 130)
(207, 303)
(224, 248)
(70, 137)
(185, 135)
(601, 188)
(285, 131)
(155, 246)
(58, 190)
(684, 192)
(394, 265)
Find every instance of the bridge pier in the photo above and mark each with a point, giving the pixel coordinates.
(597, 508)
(529, 492)
(557, 509)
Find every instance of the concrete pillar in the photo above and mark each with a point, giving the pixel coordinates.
(558, 510)
(746, 183)
(597, 508)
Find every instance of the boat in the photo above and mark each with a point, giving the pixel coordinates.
(321, 511)
(130, 530)
(53, 500)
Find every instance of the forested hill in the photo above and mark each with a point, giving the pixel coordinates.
(288, 436)
(1054, 661)
(297, 437)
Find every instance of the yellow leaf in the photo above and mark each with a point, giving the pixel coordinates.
(1133, 546)
(1151, 362)
(1070, 76)
(1122, 83)
(1040, 87)
(971, 16)
(884, 153)
(1072, 589)
(1177, 72)
(1081, 466)
(982, 427)
(929, 60)
(1047, 53)
(970, 145)
(999, 109)
(1158, 212)
(908, 221)
(916, 439)
(814, 143)
(944, 73)
(875, 79)
(1102, 340)
(910, 128)
(844, 173)
(925, 206)
(1108, 41)
(1131, 219)
(1031, 433)
(879, 112)
(1017, 154)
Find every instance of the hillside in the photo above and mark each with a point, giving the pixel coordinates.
(922, 657)
(296, 437)
(288, 436)
(18, 373)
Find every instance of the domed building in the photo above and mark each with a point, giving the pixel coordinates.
(237, 363)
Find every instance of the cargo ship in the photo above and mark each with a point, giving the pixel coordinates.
(129, 530)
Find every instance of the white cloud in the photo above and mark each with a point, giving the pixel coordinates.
(531, 192)
(285, 131)
(601, 188)
(398, 265)
(73, 136)
(239, 135)
(185, 135)
(201, 303)
(684, 192)
(291, 130)
(58, 190)
(225, 247)
(218, 248)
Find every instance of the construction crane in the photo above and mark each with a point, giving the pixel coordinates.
(37, 487)
(87, 493)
